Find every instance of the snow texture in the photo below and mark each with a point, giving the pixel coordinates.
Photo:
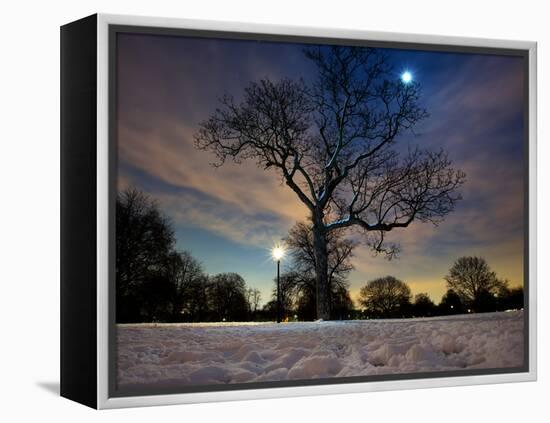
(175, 355)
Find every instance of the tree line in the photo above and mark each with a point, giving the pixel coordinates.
(157, 283)
(472, 287)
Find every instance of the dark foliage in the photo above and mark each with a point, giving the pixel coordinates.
(386, 297)
(227, 297)
(144, 242)
(475, 283)
(423, 306)
(156, 283)
(451, 304)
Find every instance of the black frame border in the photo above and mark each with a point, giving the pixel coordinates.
(78, 211)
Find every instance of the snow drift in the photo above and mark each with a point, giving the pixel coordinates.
(172, 355)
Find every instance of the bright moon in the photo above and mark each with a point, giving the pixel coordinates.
(406, 77)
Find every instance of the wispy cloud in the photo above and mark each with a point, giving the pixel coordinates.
(240, 202)
(168, 85)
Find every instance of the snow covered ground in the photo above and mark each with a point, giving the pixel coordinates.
(173, 355)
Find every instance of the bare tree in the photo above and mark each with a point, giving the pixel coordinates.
(333, 143)
(385, 297)
(186, 274)
(253, 298)
(144, 243)
(196, 301)
(299, 242)
(474, 281)
(227, 296)
(290, 284)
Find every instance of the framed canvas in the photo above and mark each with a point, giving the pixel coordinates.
(253, 211)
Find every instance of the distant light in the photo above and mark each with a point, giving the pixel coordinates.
(406, 77)
(278, 252)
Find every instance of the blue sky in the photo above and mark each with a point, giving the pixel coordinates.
(228, 217)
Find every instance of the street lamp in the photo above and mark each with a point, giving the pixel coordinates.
(278, 252)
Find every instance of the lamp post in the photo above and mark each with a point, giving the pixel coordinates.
(278, 252)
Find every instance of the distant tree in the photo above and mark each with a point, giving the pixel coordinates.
(474, 282)
(509, 298)
(385, 297)
(423, 306)
(451, 304)
(253, 298)
(144, 242)
(305, 302)
(485, 301)
(332, 142)
(289, 285)
(196, 307)
(341, 304)
(184, 271)
(227, 297)
(156, 298)
(514, 299)
(269, 311)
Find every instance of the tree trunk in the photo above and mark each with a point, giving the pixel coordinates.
(321, 270)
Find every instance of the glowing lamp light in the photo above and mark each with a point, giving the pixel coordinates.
(406, 77)
(278, 253)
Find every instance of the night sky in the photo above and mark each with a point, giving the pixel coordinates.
(229, 217)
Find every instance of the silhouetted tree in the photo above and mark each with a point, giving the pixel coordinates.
(333, 144)
(509, 298)
(513, 299)
(299, 243)
(156, 283)
(290, 284)
(227, 297)
(183, 271)
(156, 298)
(451, 304)
(341, 304)
(144, 242)
(305, 302)
(195, 305)
(485, 301)
(385, 297)
(423, 306)
(474, 282)
(253, 298)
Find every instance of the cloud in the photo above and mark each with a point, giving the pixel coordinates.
(221, 219)
(168, 86)
(240, 202)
